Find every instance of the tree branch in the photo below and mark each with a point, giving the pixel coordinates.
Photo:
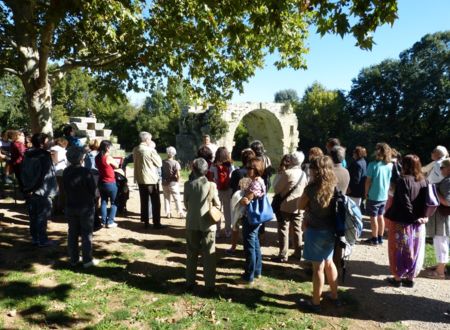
(10, 70)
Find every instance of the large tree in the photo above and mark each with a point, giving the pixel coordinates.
(405, 102)
(214, 46)
(321, 115)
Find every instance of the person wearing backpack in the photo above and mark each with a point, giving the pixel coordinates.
(170, 173)
(39, 185)
(319, 227)
(222, 169)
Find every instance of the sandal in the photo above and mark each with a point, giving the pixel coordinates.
(336, 302)
(435, 275)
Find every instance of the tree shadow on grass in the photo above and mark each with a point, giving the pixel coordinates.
(17, 292)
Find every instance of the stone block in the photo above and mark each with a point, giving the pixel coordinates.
(86, 133)
(79, 126)
(99, 126)
(83, 120)
(105, 133)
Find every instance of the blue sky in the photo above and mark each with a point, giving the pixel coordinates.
(334, 62)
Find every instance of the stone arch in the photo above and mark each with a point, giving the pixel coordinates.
(275, 124)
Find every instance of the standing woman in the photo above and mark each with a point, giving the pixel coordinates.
(406, 231)
(319, 225)
(358, 172)
(439, 225)
(222, 169)
(18, 149)
(252, 248)
(107, 183)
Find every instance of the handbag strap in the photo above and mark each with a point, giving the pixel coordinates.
(293, 188)
(210, 198)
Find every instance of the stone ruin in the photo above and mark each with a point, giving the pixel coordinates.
(88, 129)
(274, 124)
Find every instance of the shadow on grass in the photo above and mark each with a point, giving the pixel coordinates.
(17, 292)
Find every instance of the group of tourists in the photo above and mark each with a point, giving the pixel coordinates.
(390, 189)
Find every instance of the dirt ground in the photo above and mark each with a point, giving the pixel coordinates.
(378, 305)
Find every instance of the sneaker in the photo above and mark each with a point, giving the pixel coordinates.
(93, 262)
(48, 243)
(111, 225)
(159, 226)
(308, 306)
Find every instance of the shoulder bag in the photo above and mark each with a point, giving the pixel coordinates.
(214, 212)
(278, 199)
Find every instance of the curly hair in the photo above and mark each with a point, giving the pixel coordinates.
(323, 176)
(383, 152)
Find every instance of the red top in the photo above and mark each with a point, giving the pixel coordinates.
(17, 152)
(105, 170)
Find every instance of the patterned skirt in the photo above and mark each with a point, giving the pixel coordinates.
(406, 246)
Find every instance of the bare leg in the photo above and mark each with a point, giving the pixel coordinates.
(332, 276)
(380, 223)
(234, 239)
(374, 226)
(318, 281)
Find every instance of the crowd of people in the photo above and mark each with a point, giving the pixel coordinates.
(82, 180)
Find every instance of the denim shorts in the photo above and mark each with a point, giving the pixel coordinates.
(375, 208)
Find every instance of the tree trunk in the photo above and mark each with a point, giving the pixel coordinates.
(39, 100)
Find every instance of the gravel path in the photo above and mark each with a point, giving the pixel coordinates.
(378, 306)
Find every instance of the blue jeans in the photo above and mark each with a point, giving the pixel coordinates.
(252, 250)
(39, 210)
(108, 191)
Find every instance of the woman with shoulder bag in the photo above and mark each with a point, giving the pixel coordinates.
(289, 183)
(406, 240)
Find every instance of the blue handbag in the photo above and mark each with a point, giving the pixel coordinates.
(259, 211)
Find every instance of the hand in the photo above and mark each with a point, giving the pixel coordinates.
(422, 220)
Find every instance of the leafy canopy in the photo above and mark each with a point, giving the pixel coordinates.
(213, 46)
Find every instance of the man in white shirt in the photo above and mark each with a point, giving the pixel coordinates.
(207, 143)
(433, 169)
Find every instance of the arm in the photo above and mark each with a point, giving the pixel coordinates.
(111, 161)
(186, 195)
(367, 187)
(303, 201)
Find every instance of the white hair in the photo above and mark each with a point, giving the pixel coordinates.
(297, 158)
(145, 136)
(442, 151)
(171, 151)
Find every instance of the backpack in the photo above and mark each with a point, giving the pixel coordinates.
(32, 173)
(223, 177)
(348, 219)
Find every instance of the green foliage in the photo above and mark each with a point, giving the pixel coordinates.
(12, 103)
(241, 140)
(321, 114)
(286, 96)
(405, 102)
(212, 46)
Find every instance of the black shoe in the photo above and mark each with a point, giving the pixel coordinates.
(407, 283)
(393, 282)
(371, 241)
(308, 306)
(279, 260)
(159, 226)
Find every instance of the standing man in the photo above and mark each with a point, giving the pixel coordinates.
(146, 173)
(211, 146)
(39, 185)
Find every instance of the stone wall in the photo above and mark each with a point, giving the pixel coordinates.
(275, 124)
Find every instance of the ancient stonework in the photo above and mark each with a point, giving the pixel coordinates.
(88, 129)
(274, 124)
